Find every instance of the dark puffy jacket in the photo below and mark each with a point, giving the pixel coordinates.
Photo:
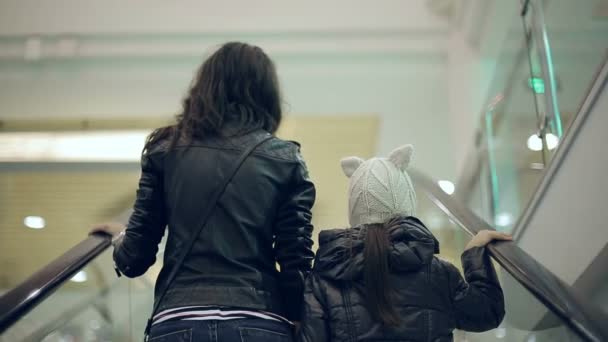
(431, 297)
(262, 219)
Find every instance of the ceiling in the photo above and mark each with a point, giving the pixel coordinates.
(25, 17)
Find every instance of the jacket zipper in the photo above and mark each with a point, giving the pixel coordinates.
(349, 318)
(428, 315)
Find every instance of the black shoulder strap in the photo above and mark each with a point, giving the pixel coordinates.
(203, 222)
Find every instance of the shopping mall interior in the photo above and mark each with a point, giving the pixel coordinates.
(502, 100)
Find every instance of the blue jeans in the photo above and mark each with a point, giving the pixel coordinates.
(237, 330)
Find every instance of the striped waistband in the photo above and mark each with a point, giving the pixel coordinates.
(201, 313)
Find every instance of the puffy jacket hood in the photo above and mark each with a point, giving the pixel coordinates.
(340, 255)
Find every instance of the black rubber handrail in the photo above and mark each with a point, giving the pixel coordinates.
(20, 300)
(585, 319)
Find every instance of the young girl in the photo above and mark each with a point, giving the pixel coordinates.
(380, 281)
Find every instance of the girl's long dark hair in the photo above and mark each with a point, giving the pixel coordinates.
(376, 273)
(237, 84)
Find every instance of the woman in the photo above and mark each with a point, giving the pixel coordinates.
(380, 280)
(228, 287)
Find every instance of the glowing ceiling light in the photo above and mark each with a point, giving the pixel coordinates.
(96, 146)
(80, 277)
(552, 141)
(447, 186)
(34, 222)
(504, 219)
(535, 143)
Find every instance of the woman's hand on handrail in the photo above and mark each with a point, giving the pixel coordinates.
(486, 236)
(115, 229)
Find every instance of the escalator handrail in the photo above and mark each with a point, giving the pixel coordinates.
(20, 300)
(585, 319)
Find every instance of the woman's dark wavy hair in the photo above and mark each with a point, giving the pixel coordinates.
(238, 84)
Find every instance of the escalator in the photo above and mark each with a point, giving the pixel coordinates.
(539, 306)
(541, 303)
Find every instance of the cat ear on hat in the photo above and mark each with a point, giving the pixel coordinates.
(402, 156)
(350, 165)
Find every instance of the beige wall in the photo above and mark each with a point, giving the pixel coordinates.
(70, 199)
(325, 140)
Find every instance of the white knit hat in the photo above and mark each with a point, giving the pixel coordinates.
(380, 188)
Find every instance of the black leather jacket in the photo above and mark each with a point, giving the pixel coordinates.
(262, 219)
(431, 297)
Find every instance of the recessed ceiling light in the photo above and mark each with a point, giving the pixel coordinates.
(34, 222)
(80, 277)
(447, 186)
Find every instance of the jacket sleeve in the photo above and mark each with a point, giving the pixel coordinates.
(137, 251)
(478, 302)
(314, 326)
(293, 243)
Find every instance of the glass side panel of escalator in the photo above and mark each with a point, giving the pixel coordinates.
(94, 305)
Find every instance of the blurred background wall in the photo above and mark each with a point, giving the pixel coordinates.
(117, 59)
